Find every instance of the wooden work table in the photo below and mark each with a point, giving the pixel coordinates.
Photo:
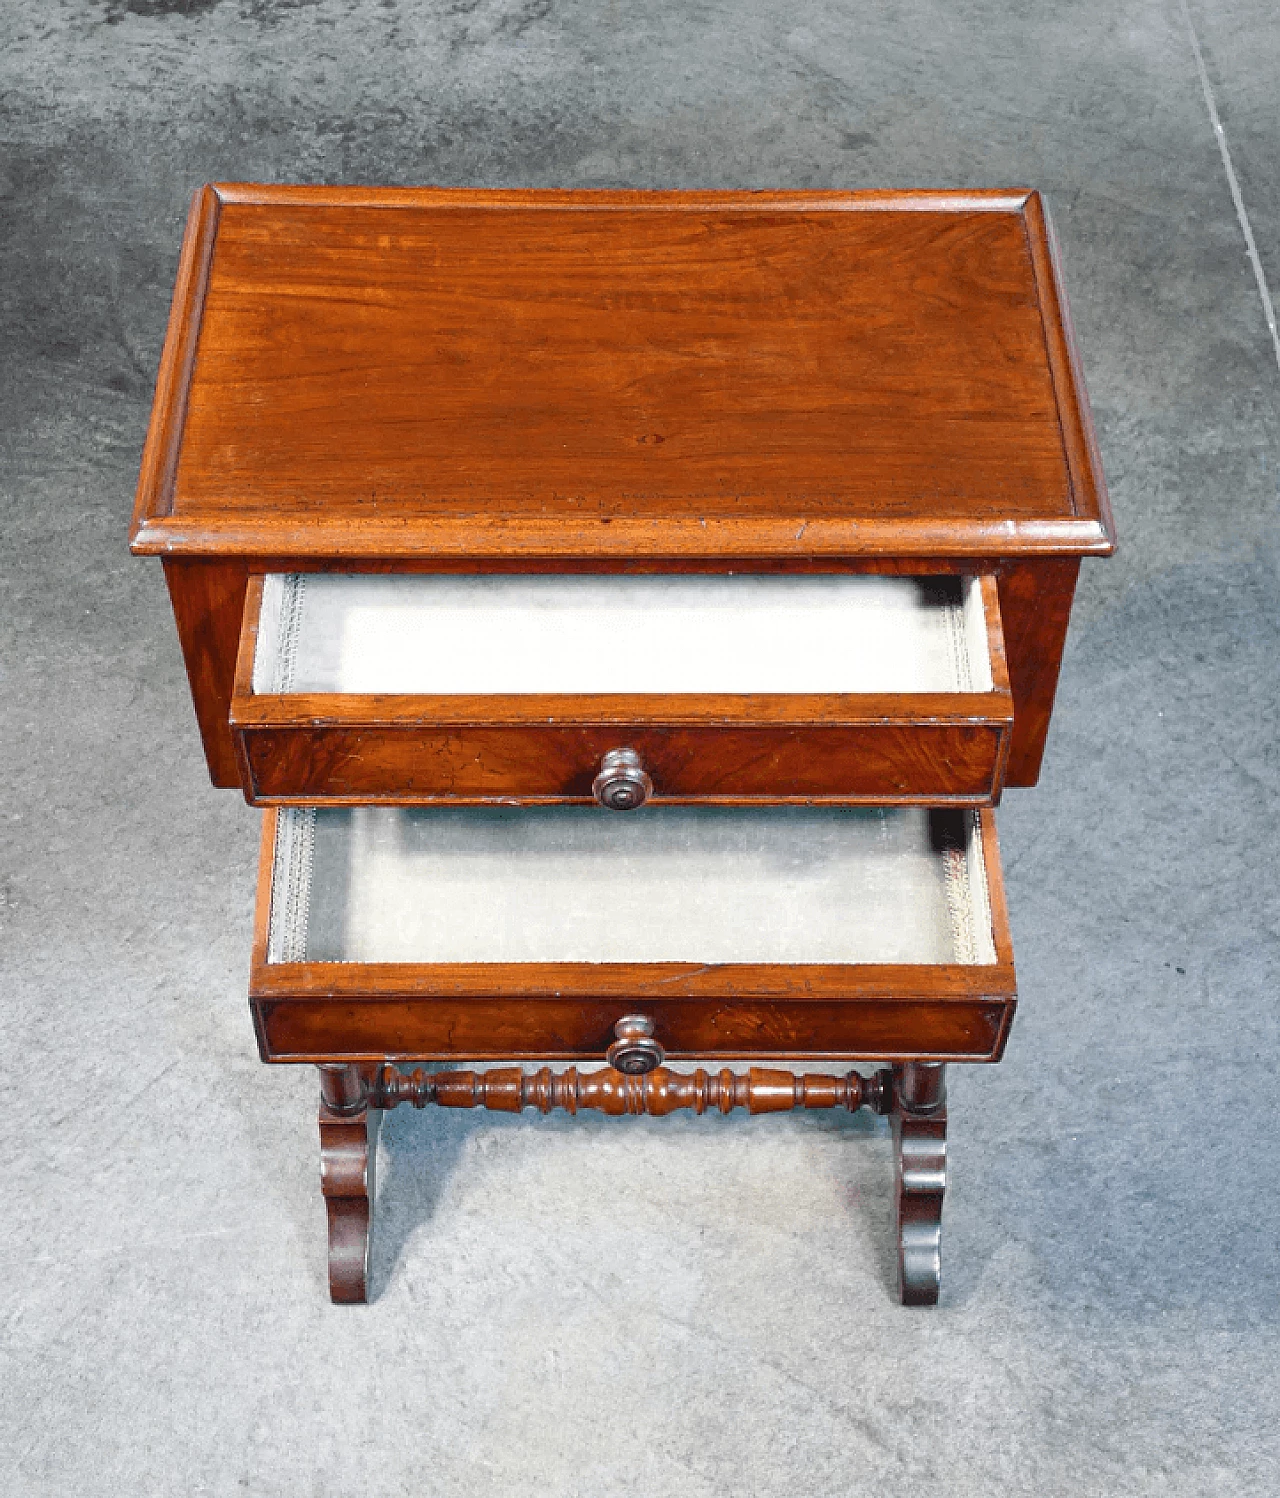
(420, 384)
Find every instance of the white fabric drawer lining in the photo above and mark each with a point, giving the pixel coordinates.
(404, 634)
(575, 884)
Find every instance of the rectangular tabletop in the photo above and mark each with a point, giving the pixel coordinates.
(466, 374)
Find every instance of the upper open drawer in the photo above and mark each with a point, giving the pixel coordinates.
(426, 688)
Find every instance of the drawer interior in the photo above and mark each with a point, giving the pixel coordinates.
(382, 885)
(331, 633)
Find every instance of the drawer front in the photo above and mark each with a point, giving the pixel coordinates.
(404, 1027)
(332, 706)
(530, 933)
(854, 763)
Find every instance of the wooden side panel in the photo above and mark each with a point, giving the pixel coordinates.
(208, 607)
(333, 1029)
(922, 762)
(1089, 496)
(163, 446)
(1035, 608)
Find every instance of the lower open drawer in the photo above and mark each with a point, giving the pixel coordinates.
(504, 933)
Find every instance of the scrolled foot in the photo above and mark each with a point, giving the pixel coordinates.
(920, 1167)
(348, 1151)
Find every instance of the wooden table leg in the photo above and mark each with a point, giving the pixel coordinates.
(348, 1152)
(919, 1121)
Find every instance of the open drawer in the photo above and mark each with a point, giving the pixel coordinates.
(359, 688)
(430, 933)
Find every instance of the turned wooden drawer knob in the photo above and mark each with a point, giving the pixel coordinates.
(622, 783)
(635, 1051)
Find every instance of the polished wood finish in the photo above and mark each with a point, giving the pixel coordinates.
(923, 748)
(860, 357)
(738, 1024)
(348, 1155)
(725, 381)
(635, 1051)
(1035, 606)
(656, 1093)
(208, 599)
(163, 447)
(1079, 440)
(434, 760)
(919, 1118)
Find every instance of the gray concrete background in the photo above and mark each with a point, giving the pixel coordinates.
(691, 1305)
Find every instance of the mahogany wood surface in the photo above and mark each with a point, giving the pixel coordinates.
(208, 600)
(657, 1093)
(839, 382)
(163, 446)
(580, 358)
(429, 761)
(348, 1155)
(919, 1122)
(1036, 598)
(415, 1027)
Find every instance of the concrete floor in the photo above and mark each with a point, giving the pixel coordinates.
(619, 1308)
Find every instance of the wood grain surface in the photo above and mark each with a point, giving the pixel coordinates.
(570, 361)
(913, 763)
(348, 1159)
(418, 1027)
